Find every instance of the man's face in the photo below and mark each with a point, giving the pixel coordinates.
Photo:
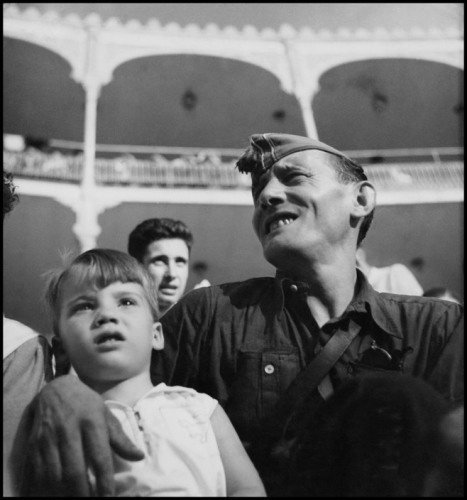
(301, 209)
(167, 261)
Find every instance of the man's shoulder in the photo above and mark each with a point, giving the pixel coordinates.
(247, 289)
(417, 301)
(416, 308)
(221, 300)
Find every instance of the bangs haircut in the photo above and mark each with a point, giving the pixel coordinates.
(100, 268)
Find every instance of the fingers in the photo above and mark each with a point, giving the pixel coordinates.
(43, 460)
(99, 456)
(56, 442)
(73, 432)
(47, 458)
(59, 466)
(119, 441)
(74, 481)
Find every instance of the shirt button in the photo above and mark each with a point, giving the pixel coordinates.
(269, 369)
(293, 288)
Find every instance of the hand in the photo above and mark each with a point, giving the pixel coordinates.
(73, 430)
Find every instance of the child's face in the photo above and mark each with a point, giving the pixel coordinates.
(108, 333)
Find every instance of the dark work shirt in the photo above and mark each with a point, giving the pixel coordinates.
(243, 343)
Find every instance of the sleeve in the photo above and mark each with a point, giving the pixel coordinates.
(25, 371)
(184, 327)
(208, 403)
(447, 371)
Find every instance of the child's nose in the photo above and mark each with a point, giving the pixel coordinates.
(106, 315)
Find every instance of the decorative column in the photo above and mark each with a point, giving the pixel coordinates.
(304, 97)
(304, 88)
(87, 228)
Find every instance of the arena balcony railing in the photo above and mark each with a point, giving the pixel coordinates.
(172, 167)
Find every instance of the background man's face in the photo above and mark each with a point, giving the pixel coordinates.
(167, 261)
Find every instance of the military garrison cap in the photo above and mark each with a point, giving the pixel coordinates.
(273, 147)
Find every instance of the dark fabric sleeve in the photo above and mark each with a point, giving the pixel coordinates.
(25, 372)
(446, 373)
(184, 326)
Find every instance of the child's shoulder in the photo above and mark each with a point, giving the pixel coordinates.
(177, 395)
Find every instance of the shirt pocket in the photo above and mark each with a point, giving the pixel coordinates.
(358, 368)
(261, 378)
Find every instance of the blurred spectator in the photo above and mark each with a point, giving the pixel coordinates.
(395, 278)
(163, 246)
(441, 292)
(368, 439)
(200, 269)
(445, 475)
(26, 369)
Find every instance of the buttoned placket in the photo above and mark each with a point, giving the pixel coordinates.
(136, 422)
(297, 301)
(325, 388)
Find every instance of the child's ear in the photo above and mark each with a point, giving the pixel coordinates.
(158, 337)
(62, 363)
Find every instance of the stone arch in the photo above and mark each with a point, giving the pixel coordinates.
(40, 98)
(360, 102)
(232, 100)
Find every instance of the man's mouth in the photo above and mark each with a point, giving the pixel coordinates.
(279, 221)
(108, 337)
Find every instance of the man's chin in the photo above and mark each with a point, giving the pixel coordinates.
(167, 301)
(275, 254)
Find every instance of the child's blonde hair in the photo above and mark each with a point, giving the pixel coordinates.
(100, 267)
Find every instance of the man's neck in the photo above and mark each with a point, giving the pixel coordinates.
(332, 288)
(333, 295)
(128, 391)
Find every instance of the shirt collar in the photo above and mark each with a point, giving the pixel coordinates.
(366, 301)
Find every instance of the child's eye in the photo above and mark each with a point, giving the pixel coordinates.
(127, 302)
(83, 306)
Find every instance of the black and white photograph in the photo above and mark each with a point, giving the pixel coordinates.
(233, 249)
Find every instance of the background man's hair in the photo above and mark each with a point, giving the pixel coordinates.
(156, 229)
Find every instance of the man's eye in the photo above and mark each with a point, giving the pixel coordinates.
(158, 262)
(291, 176)
(127, 302)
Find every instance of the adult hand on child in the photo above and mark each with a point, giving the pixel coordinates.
(73, 431)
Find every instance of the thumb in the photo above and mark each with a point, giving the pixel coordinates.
(119, 441)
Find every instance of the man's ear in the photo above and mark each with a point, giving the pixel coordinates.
(364, 200)
(158, 337)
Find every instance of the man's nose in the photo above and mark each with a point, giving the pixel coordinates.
(272, 193)
(170, 271)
